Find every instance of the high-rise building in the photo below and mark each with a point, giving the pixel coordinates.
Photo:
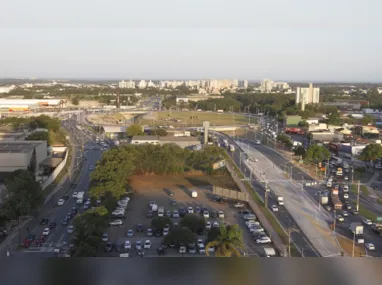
(266, 85)
(308, 95)
(142, 84)
(126, 84)
(245, 83)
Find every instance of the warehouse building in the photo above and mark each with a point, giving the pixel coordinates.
(114, 132)
(16, 155)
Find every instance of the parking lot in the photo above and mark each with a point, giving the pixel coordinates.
(157, 189)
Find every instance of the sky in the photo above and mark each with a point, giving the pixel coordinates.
(295, 40)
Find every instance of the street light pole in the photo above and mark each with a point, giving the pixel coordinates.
(353, 244)
(358, 196)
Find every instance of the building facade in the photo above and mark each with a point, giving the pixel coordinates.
(307, 95)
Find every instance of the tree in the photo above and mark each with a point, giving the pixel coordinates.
(303, 124)
(367, 119)
(194, 222)
(300, 151)
(23, 195)
(75, 101)
(371, 152)
(180, 236)
(213, 234)
(134, 130)
(39, 136)
(334, 118)
(316, 153)
(229, 242)
(285, 140)
(160, 222)
(158, 132)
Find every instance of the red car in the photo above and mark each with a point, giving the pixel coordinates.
(28, 240)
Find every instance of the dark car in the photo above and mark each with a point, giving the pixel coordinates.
(64, 222)
(198, 210)
(69, 216)
(182, 212)
(161, 250)
(73, 185)
(158, 233)
(44, 221)
(65, 197)
(52, 225)
(200, 231)
(74, 211)
(213, 214)
(354, 212)
(173, 203)
(140, 228)
(150, 214)
(119, 247)
(109, 246)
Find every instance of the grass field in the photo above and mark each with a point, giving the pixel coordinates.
(190, 119)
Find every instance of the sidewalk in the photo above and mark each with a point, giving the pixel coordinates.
(277, 241)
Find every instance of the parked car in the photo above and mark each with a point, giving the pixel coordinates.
(105, 237)
(198, 210)
(147, 244)
(46, 232)
(370, 246)
(138, 245)
(263, 240)
(60, 202)
(175, 214)
(149, 232)
(70, 229)
(52, 225)
(127, 244)
(206, 214)
(213, 214)
(161, 250)
(340, 218)
(182, 249)
(190, 210)
(130, 233)
(221, 214)
(109, 246)
(116, 223)
(238, 205)
(150, 214)
(208, 225)
(140, 228)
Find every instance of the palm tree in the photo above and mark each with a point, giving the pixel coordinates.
(228, 243)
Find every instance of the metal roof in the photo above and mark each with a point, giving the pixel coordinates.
(114, 129)
(18, 146)
(145, 138)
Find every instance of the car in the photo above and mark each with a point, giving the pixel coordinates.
(345, 213)
(165, 232)
(346, 178)
(198, 210)
(122, 203)
(91, 167)
(44, 221)
(340, 218)
(208, 225)
(149, 232)
(65, 197)
(346, 196)
(60, 202)
(98, 202)
(150, 214)
(52, 225)
(74, 210)
(190, 210)
(348, 206)
(147, 244)
(274, 208)
(130, 233)
(354, 212)
(46, 232)
(127, 244)
(86, 206)
(151, 204)
(140, 228)
(345, 188)
(161, 250)
(370, 246)
(173, 203)
(215, 225)
(138, 245)
(64, 222)
(206, 214)
(175, 214)
(263, 239)
(182, 249)
(69, 216)
(116, 223)
(168, 213)
(70, 229)
(221, 215)
(109, 246)
(328, 208)
(238, 205)
(213, 214)
(105, 237)
(367, 222)
(170, 193)
(257, 142)
(158, 232)
(211, 249)
(119, 246)
(167, 227)
(182, 212)
(192, 248)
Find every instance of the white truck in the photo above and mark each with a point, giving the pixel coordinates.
(160, 211)
(194, 194)
(154, 207)
(231, 148)
(356, 228)
(80, 197)
(324, 200)
(280, 200)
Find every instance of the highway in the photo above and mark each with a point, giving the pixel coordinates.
(55, 213)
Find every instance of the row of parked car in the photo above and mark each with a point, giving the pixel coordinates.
(255, 228)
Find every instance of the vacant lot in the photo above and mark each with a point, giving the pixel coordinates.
(193, 119)
(108, 119)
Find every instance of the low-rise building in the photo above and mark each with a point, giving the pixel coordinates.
(114, 132)
(183, 142)
(136, 140)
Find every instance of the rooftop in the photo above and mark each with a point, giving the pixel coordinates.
(114, 129)
(145, 138)
(178, 139)
(18, 146)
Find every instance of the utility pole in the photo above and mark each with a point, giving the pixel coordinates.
(334, 224)
(289, 251)
(358, 196)
(266, 195)
(353, 244)
(319, 201)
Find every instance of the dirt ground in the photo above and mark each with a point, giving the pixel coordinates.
(188, 181)
(347, 246)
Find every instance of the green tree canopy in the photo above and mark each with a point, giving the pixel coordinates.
(300, 150)
(303, 124)
(229, 242)
(180, 235)
(160, 222)
(316, 153)
(158, 132)
(367, 119)
(371, 152)
(39, 136)
(194, 222)
(75, 100)
(134, 130)
(285, 140)
(23, 195)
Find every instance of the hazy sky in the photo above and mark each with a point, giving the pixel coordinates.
(336, 40)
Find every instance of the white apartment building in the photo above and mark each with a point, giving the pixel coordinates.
(307, 95)
(245, 83)
(266, 85)
(142, 84)
(126, 84)
(7, 89)
(151, 84)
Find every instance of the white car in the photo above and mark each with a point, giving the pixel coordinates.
(221, 215)
(74, 195)
(346, 189)
(201, 247)
(60, 202)
(105, 237)
(346, 178)
(263, 239)
(369, 246)
(257, 142)
(182, 249)
(117, 213)
(175, 214)
(125, 200)
(190, 210)
(127, 244)
(165, 232)
(215, 225)
(346, 196)
(367, 222)
(208, 225)
(138, 245)
(46, 232)
(211, 249)
(239, 205)
(274, 208)
(147, 244)
(116, 223)
(70, 229)
(340, 218)
(122, 203)
(206, 214)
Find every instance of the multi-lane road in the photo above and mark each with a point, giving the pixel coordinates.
(85, 153)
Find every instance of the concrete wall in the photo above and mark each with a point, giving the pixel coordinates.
(55, 173)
